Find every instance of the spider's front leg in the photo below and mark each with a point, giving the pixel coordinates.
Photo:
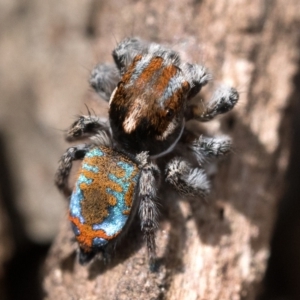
(188, 181)
(104, 79)
(126, 51)
(65, 165)
(222, 101)
(197, 76)
(86, 126)
(147, 193)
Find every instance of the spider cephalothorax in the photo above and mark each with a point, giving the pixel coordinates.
(149, 91)
(156, 80)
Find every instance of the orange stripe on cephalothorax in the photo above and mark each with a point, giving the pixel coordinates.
(126, 77)
(163, 80)
(158, 116)
(87, 234)
(154, 65)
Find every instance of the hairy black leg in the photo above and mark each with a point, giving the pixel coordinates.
(186, 180)
(65, 165)
(223, 100)
(126, 51)
(104, 79)
(86, 126)
(148, 210)
(205, 148)
(197, 77)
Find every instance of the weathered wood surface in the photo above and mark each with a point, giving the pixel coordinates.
(206, 251)
(216, 250)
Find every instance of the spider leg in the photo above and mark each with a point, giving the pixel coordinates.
(205, 148)
(104, 79)
(222, 101)
(148, 209)
(126, 51)
(65, 165)
(86, 126)
(197, 76)
(187, 181)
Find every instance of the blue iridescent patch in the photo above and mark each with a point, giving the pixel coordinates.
(77, 197)
(94, 152)
(90, 168)
(75, 229)
(99, 242)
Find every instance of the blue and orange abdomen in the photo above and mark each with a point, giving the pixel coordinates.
(103, 197)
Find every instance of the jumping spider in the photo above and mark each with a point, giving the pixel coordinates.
(149, 91)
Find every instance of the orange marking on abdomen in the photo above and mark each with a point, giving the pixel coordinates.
(87, 234)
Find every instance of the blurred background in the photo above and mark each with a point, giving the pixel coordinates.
(47, 50)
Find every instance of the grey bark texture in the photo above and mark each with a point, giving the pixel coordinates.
(215, 250)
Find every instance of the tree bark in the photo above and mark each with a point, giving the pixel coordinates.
(219, 249)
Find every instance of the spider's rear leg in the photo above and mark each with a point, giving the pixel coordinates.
(86, 126)
(104, 79)
(223, 100)
(188, 181)
(147, 192)
(65, 165)
(205, 148)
